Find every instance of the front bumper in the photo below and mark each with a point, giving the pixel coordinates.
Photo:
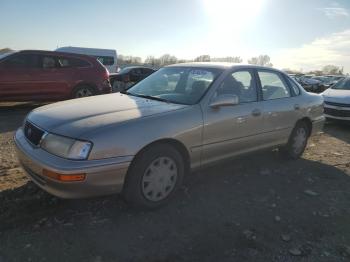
(103, 177)
(337, 112)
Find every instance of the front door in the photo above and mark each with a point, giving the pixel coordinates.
(235, 129)
(18, 77)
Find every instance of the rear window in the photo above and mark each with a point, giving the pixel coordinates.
(65, 62)
(106, 60)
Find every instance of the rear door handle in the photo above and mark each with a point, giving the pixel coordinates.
(256, 112)
(296, 107)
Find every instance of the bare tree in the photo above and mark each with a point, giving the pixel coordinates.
(230, 59)
(263, 60)
(5, 50)
(332, 70)
(167, 59)
(202, 58)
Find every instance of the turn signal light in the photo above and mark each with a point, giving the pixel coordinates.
(62, 177)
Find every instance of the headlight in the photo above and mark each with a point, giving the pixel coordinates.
(66, 147)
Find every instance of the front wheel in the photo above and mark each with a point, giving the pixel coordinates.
(154, 176)
(297, 141)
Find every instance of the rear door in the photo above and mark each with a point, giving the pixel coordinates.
(281, 108)
(19, 76)
(233, 129)
(53, 81)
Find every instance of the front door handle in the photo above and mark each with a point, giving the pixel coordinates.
(256, 112)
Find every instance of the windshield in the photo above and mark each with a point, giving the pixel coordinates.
(342, 85)
(181, 85)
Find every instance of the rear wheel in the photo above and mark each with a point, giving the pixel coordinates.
(297, 141)
(83, 91)
(154, 176)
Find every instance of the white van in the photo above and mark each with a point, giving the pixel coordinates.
(108, 57)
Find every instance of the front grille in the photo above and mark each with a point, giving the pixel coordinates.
(33, 133)
(335, 112)
(337, 104)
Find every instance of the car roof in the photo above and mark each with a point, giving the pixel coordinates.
(45, 52)
(135, 67)
(221, 65)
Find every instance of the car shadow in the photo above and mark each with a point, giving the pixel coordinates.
(338, 129)
(241, 206)
(13, 114)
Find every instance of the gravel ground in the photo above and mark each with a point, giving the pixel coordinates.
(258, 207)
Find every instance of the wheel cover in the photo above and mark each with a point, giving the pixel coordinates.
(299, 140)
(159, 179)
(83, 92)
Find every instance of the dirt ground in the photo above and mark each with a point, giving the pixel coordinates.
(257, 207)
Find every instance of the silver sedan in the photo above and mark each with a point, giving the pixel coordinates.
(142, 142)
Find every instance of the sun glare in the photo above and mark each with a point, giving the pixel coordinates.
(232, 12)
(228, 20)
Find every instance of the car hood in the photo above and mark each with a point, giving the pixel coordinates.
(74, 118)
(337, 96)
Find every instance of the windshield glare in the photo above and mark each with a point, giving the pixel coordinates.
(342, 85)
(182, 85)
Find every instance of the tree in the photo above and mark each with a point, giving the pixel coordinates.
(332, 70)
(202, 58)
(262, 60)
(167, 59)
(230, 59)
(5, 50)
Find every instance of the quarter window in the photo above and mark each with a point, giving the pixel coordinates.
(294, 86)
(241, 84)
(273, 86)
(65, 62)
(106, 60)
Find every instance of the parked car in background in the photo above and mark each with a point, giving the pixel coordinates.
(189, 116)
(129, 76)
(335, 78)
(50, 76)
(325, 82)
(310, 84)
(337, 100)
(107, 57)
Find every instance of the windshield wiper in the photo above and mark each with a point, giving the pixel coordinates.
(150, 97)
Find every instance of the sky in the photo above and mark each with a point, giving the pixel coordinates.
(296, 34)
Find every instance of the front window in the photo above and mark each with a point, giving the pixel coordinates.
(241, 84)
(182, 85)
(342, 85)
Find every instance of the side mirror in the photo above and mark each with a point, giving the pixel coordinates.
(224, 100)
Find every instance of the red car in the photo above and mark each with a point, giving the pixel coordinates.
(51, 76)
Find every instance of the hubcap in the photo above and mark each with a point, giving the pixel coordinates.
(299, 140)
(83, 92)
(159, 179)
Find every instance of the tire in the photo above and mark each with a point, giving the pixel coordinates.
(297, 141)
(147, 188)
(83, 91)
